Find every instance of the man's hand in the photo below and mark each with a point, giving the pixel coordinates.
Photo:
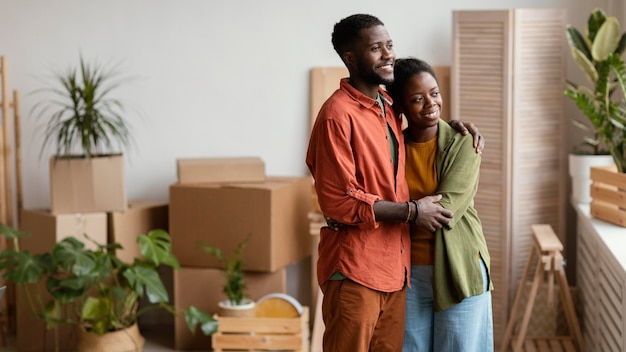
(431, 214)
(468, 127)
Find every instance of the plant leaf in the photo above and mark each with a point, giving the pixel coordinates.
(96, 312)
(577, 41)
(195, 316)
(607, 40)
(21, 267)
(595, 21)
(587, 66)
(146, 279)
(157, 248)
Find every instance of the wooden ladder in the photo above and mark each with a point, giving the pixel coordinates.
(549, 262)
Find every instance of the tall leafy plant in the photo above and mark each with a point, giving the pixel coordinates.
(598, 53)
(83, 118)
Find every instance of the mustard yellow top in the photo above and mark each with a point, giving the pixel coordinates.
(421, 175)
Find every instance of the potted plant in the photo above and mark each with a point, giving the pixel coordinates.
(88, 129)
(237, 305)
(234, 287)
(598, 53)
(91, 288)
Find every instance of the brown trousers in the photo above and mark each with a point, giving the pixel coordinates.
(359, 319)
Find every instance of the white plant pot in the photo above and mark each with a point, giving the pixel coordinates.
(245, 309)
(579, 171)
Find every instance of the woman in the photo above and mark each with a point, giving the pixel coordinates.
(449, 303)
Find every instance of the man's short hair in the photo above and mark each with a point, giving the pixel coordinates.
(347, 31)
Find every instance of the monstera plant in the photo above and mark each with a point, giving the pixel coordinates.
(91, 288)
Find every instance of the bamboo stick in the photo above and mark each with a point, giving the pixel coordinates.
(3, 145)
(18, 152)
(3, 184)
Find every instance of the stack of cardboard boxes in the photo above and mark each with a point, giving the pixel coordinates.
(221, 201)
(87, 197)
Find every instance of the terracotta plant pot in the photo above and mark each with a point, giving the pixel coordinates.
(245, 309)
(127, 340)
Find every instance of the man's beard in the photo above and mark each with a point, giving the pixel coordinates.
(374, 78)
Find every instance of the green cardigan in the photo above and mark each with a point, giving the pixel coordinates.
(456, 270)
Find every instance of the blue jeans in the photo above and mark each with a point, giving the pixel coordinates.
(466, 327)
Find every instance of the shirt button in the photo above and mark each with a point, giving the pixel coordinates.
(402, 251)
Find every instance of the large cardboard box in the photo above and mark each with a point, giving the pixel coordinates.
(32, 335)
(217, 170)
(87, 185)
(140, 217)
(202, 287)
(47, 229)
(273, 213)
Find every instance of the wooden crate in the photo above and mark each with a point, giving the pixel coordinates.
(608, 195)
(237, 334)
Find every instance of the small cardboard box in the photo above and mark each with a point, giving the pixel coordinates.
(273, 213)
(46, 229)
(139, 218)
(202, 288)
(79, 185)
(217, 170)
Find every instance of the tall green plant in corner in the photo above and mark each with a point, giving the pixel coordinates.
(82, 118)
(598, 54)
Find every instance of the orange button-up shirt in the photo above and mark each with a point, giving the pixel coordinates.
(350, 160)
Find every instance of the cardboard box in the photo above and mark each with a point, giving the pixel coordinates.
(47, 229)
(217, 170)
(139, 218)
(202, 287)
(32, 335)
(273, 213)
(79, 185)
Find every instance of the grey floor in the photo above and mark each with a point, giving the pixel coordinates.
(157, 340)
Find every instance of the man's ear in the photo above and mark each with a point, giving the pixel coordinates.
(348, 58)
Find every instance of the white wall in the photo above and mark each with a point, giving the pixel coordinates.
(226, 78)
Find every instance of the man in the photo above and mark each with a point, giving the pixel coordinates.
(356, 155)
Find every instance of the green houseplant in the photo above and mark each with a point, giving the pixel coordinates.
(82, 118)
(598, 53)
(234, 288)
(87, 129)
(89, 288)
